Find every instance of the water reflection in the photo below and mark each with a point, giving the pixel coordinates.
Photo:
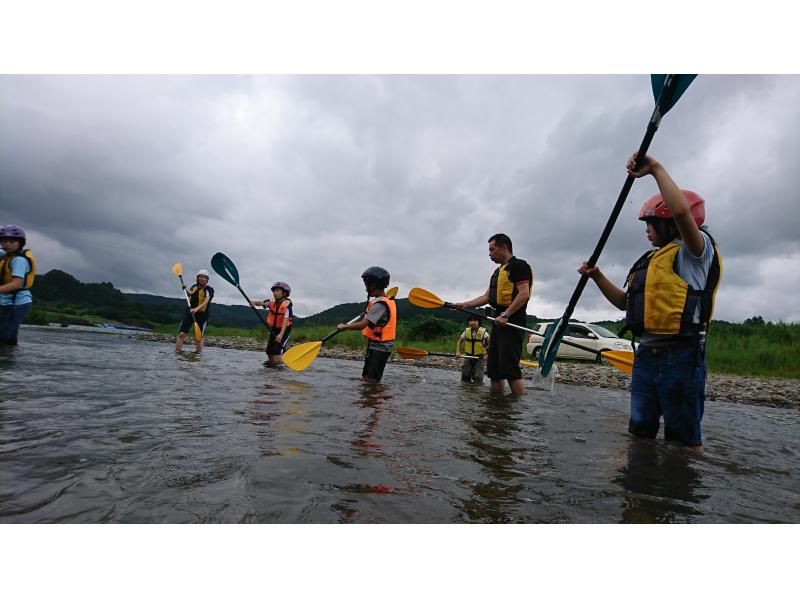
(371, 397)
(660, 483)
(111, 429)
(278, 414)
(8, 358)
(493, 426)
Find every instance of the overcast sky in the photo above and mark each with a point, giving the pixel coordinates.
(310, 179)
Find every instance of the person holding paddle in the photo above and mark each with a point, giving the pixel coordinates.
(668, 303)
(198, 310)
(474, 340)
(378, 324)
(279, 320)
(508, 293)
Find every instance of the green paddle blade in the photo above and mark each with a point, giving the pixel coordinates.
(679, 85)
(300, 357)
(549, 350)
(422, 298)
(225, 267)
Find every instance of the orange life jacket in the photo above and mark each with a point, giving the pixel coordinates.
(276, 312)
(382, 332)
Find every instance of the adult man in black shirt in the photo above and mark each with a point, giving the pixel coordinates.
(508, 293)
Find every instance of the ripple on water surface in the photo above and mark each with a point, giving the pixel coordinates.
(111, 429)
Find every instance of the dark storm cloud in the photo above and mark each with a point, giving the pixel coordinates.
(311, 179)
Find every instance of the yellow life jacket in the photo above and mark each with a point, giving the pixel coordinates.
(473, 343)
(198, 296)
(382, 332)
(277, 312)
(502, 289)
(5, 268)
(661, 302)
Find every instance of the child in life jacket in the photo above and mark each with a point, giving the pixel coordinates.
(378, 324)
(198, 310)
(669, 299)
(279, 319)
(18, 271)
(472, 345)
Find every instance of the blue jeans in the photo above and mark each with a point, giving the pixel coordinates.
(10, 318)
(669, 381)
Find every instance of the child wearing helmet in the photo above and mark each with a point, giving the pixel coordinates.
(279, 319)
(378, 323)
(668, 303)
(200, 296)
(18, 272)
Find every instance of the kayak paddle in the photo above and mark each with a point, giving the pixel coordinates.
(667, 90)
(622, 360)
(177, 269)
(301, 356)
(411, 353)
(227, 269)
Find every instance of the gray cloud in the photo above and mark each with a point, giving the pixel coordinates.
(310, 179)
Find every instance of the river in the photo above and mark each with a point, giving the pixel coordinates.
(106, 428)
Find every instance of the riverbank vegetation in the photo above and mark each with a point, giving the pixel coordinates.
(752, 348)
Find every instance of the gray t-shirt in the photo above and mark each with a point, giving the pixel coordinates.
(694, 270)
(377, 312)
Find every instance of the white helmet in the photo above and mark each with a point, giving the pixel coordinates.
(203, 273)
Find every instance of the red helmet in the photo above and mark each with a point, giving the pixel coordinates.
(656, 208)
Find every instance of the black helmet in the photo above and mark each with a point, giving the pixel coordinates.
(375, 276)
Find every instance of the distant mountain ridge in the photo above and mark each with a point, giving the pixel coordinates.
(59, 291)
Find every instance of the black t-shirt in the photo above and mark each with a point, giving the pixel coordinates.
(515, 271)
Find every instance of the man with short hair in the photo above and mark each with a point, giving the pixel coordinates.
(508, 293)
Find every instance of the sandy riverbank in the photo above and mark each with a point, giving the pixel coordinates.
(773, 392)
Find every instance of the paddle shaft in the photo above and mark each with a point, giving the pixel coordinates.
(337, 331)
(258, 315)
(453, 355)
(664, 98)
(518, 327)
(189, 303)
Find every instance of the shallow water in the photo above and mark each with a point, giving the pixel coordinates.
(103, 428)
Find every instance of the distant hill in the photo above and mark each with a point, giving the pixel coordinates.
(236, 316)
(59, 296)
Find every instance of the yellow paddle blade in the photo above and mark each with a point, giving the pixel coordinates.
(410, 353)
(198, 334)
(422, 298)
(177, 269)
(392, 293)
(622, 360)
(300, 357)
(533, 364)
